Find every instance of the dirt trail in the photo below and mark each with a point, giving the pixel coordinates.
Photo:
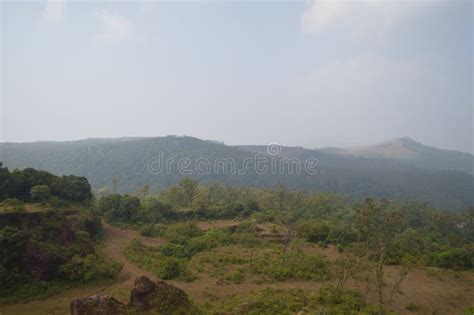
(115, 240)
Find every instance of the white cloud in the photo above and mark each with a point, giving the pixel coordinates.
(114, 26)
(53, 11)
(358, 18)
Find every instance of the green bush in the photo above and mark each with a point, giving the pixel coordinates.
(313, 231)
(290, 265)
(235, 277)
(175, 250)
(456, 258)
(165, 267)
(13, 204)
(412, 307)
(89, 268)
(40, 193)
(180, 233)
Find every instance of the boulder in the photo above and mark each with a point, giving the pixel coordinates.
(147, 296)
(159, 297)
(97, 304)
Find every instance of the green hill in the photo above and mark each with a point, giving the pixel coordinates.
(129, 160)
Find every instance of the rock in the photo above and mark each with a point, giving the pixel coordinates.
(97, 304)
(147, 296)
(159, 297)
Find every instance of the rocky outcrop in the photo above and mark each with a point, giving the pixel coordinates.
(97, 304)
(158, 296)
(147, 296)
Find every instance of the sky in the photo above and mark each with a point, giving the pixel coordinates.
(300, 73)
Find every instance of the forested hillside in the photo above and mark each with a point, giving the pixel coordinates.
(127, 161)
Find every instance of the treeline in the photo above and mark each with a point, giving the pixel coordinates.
(34, 185)
(420, 234)
(128, 161)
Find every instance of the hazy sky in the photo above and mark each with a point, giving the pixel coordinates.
(313, 74)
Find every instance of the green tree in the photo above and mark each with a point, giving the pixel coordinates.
(189, 187)
(128, 206)
(145, 190)
(109, 203)
(40, 193)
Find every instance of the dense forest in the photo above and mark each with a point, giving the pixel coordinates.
(123, 164)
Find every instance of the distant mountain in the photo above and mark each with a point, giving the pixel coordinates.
(412, 152)
(411, 170)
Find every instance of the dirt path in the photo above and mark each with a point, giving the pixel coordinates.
(115, 240)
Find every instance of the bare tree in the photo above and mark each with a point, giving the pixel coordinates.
(343, 269)
(377, 226)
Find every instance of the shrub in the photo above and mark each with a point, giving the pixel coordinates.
(175, 250)
(14, 205)
(456, 258)
(89, 268)
(313, 231)
(235, 277)
(181, 232)
(170, 268)
(412, 307)
(40, 193)
(165, 267)
(291, 265)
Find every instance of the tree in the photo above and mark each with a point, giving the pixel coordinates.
(145, 190)
(104, 191)
(313, 231)
(40, 193)
(377, 227)
(4, 178)
(128, 206)
(114, 184)
(189, 188)
(109, 203)
(153, 210)
(281, 196)
(74, 188)
(342, 269)
(288, 220)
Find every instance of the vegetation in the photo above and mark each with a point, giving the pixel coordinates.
(52, 247)
(270, 240)
(30, 184)
(398, 233)
(443, 178)
(272, 237)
